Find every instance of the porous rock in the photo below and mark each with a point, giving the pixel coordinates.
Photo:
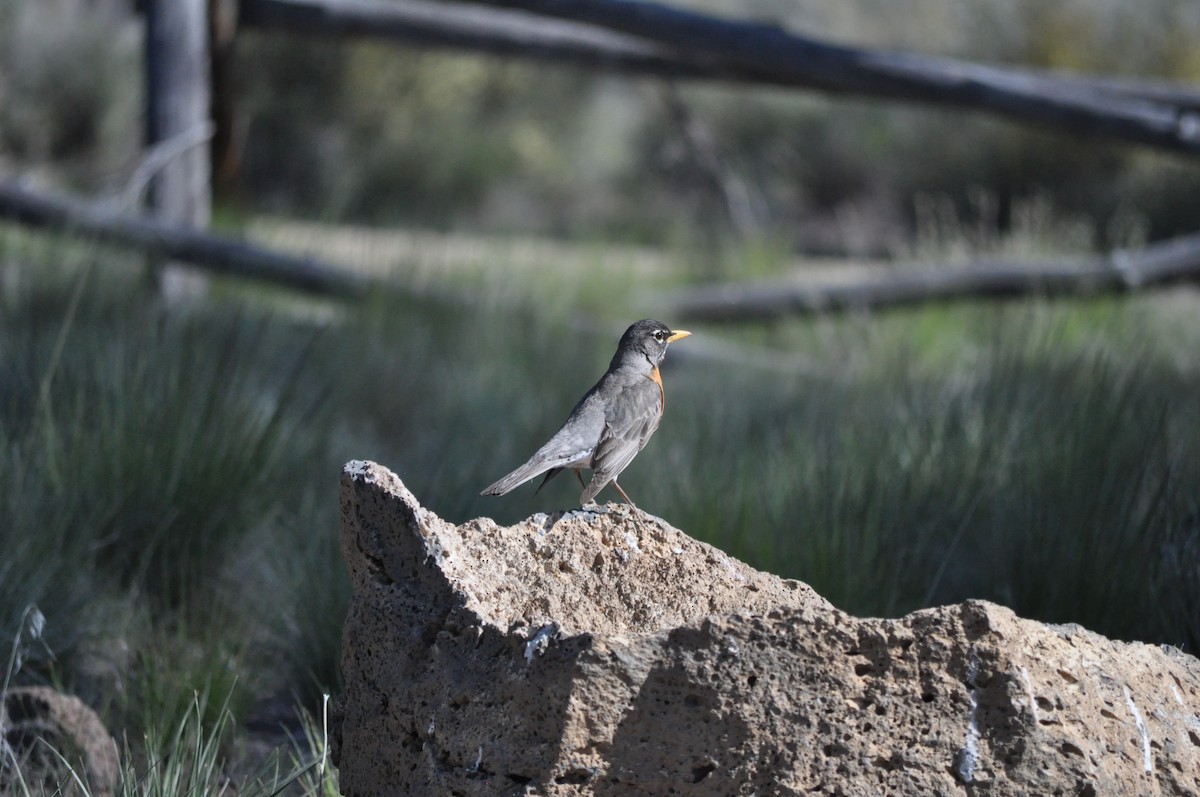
(607, 653)
(53, 739)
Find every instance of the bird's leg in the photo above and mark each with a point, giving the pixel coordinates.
(579, 475)
(622, 492)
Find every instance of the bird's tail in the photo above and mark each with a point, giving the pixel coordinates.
(518, 477)
(593, 489)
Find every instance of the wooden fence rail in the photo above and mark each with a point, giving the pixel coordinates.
(177, 242)
(657, 40)
(1165, 263)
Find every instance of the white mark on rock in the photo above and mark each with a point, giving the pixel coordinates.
(677, 551)
(1147, 760)
(1032, 697)
(731, 646)
(1178, 696)
(478, 761)
(429, 731)
(358, 468)
(537, 645)
(968, 756)
(587, 513)
(436, 552)
(631, 542)
(733, 571)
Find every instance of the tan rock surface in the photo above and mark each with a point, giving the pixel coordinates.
(611, 654)
(54, 738)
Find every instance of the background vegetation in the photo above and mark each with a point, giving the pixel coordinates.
(359, 131)
(169, 473)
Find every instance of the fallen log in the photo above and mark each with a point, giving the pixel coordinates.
(460, 27)
(523, 34)
(210, 252)
(775, 55)
(1173, 261)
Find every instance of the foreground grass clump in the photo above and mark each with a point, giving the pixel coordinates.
(181, 757)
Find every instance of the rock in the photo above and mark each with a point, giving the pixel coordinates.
(39, 725)
(610, 654)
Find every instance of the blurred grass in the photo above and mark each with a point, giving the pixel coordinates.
(170, 475)
(1049, 475)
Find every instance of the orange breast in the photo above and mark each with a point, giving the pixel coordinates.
(657, 377)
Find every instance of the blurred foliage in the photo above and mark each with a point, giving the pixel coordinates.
(69, 91)
(395, 135)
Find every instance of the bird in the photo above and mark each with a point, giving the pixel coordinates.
(611, 423)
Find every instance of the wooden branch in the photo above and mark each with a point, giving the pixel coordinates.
(155, 159)
(1173, 261)
(210, 252)
(1181, 96)
(458, 26)
(770, 54)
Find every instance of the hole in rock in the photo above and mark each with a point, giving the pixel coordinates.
(575, 777)
(1069, 749)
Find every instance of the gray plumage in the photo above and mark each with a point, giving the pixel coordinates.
(611, 423)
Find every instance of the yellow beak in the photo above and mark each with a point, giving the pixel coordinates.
(678, 334)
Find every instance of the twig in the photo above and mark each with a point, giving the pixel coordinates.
(153, 161)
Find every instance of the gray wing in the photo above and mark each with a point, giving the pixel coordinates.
(572, 445)
(634, 417)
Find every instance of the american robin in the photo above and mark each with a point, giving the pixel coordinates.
(613, 420)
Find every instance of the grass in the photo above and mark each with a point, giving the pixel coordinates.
(1048, 476)
(170, 475)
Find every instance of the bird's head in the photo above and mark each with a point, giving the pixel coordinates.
(650, 338)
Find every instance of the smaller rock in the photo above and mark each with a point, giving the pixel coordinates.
(39, 725)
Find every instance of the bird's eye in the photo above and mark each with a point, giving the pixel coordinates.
(658, 335)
